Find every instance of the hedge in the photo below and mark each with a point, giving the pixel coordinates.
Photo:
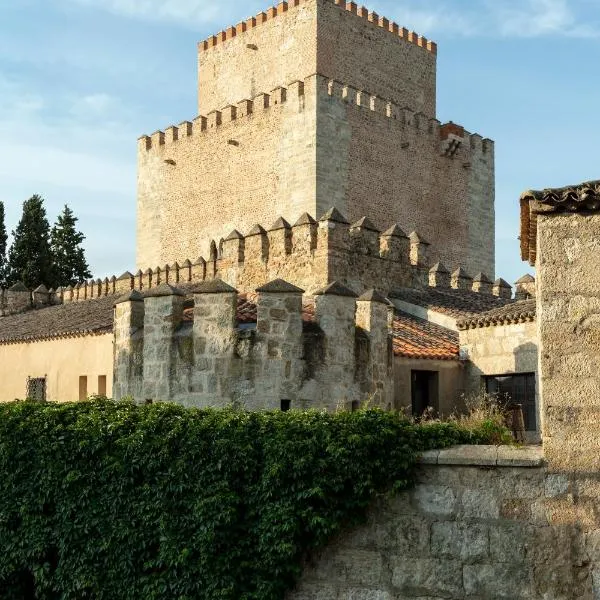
(112, 501)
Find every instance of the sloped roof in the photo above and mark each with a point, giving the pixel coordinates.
(455, 303)
(417, 338)
(413, 337)
(92, 317)
(582, 197)
(522, 311)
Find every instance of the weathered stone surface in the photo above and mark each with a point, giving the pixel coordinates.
(448, 539)
(420, 577)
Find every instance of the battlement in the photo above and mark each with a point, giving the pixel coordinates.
(167, 348)
(227, 116)
(283, 7)
(451, 136)
(310, 254)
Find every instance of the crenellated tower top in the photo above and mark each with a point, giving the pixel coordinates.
(337, 39)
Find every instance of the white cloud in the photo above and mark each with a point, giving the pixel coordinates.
(183, 11)
(535, 18)
(499, 18)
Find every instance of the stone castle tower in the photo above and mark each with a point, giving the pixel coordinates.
(311, 105)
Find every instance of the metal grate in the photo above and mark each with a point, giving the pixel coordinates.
(36, 389)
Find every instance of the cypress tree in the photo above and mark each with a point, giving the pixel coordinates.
(69, 257)
(3, 241)
(30, 257)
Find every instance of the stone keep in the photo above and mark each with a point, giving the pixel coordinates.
(309, 105)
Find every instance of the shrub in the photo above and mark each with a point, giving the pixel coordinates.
(106, 500)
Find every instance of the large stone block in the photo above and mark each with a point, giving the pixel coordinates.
(427, 577)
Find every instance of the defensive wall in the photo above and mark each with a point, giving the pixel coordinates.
(491, 523)
(343, 357)
(310, 254)
(340, 40)
(483, 523)
(315, 144)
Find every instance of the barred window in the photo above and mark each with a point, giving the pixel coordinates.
(36, 389)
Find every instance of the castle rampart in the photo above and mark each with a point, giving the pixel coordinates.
(310, 254)
(438, 180)
(295, 39)
(211, 362)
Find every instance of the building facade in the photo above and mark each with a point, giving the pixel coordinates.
(311, 105)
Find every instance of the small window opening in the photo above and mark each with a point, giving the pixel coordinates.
(355, 405)
(36, 389)
(83, 394)
(148, 401)
(101, 385)
(286, 405)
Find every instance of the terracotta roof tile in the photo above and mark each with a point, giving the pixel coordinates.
(413, 337)
(417, 338)
(516, 312)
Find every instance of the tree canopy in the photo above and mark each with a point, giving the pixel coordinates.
(69, 257)
(30, 257)
(40, 255)
(3, 242)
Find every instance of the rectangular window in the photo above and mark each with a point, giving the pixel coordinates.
(517, 389)
(101, 385)
(36, 389)
(286, 405)
(83, 394)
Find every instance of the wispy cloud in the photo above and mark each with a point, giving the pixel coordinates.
(499, 18)
(187, 12)
(494, 18)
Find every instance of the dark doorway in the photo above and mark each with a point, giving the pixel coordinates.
(424, 391)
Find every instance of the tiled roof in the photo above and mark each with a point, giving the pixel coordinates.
(413, 337)
(455, 303)
(92, 317)
(517, 312)
(417, 338)
(582, 197)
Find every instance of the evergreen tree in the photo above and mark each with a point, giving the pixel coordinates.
(69, 258)
(3, 241)
(30, 257)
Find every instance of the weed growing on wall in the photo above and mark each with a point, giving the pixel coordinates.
(113, 501)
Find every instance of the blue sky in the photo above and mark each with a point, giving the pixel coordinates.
(80, 80)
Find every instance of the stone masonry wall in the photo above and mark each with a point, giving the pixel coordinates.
(227, 170)
(377, 159)
(211, 363)
(568, 299)
(499, 350)
(269, 50)
(296, 39)
(481, 524)
(364, 50)
(422, 183)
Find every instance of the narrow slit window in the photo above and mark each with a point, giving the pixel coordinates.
(101, 385)
(83, 393)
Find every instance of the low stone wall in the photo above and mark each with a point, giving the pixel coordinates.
(482, 524)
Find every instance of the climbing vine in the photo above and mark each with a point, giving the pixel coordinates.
(112, 501)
